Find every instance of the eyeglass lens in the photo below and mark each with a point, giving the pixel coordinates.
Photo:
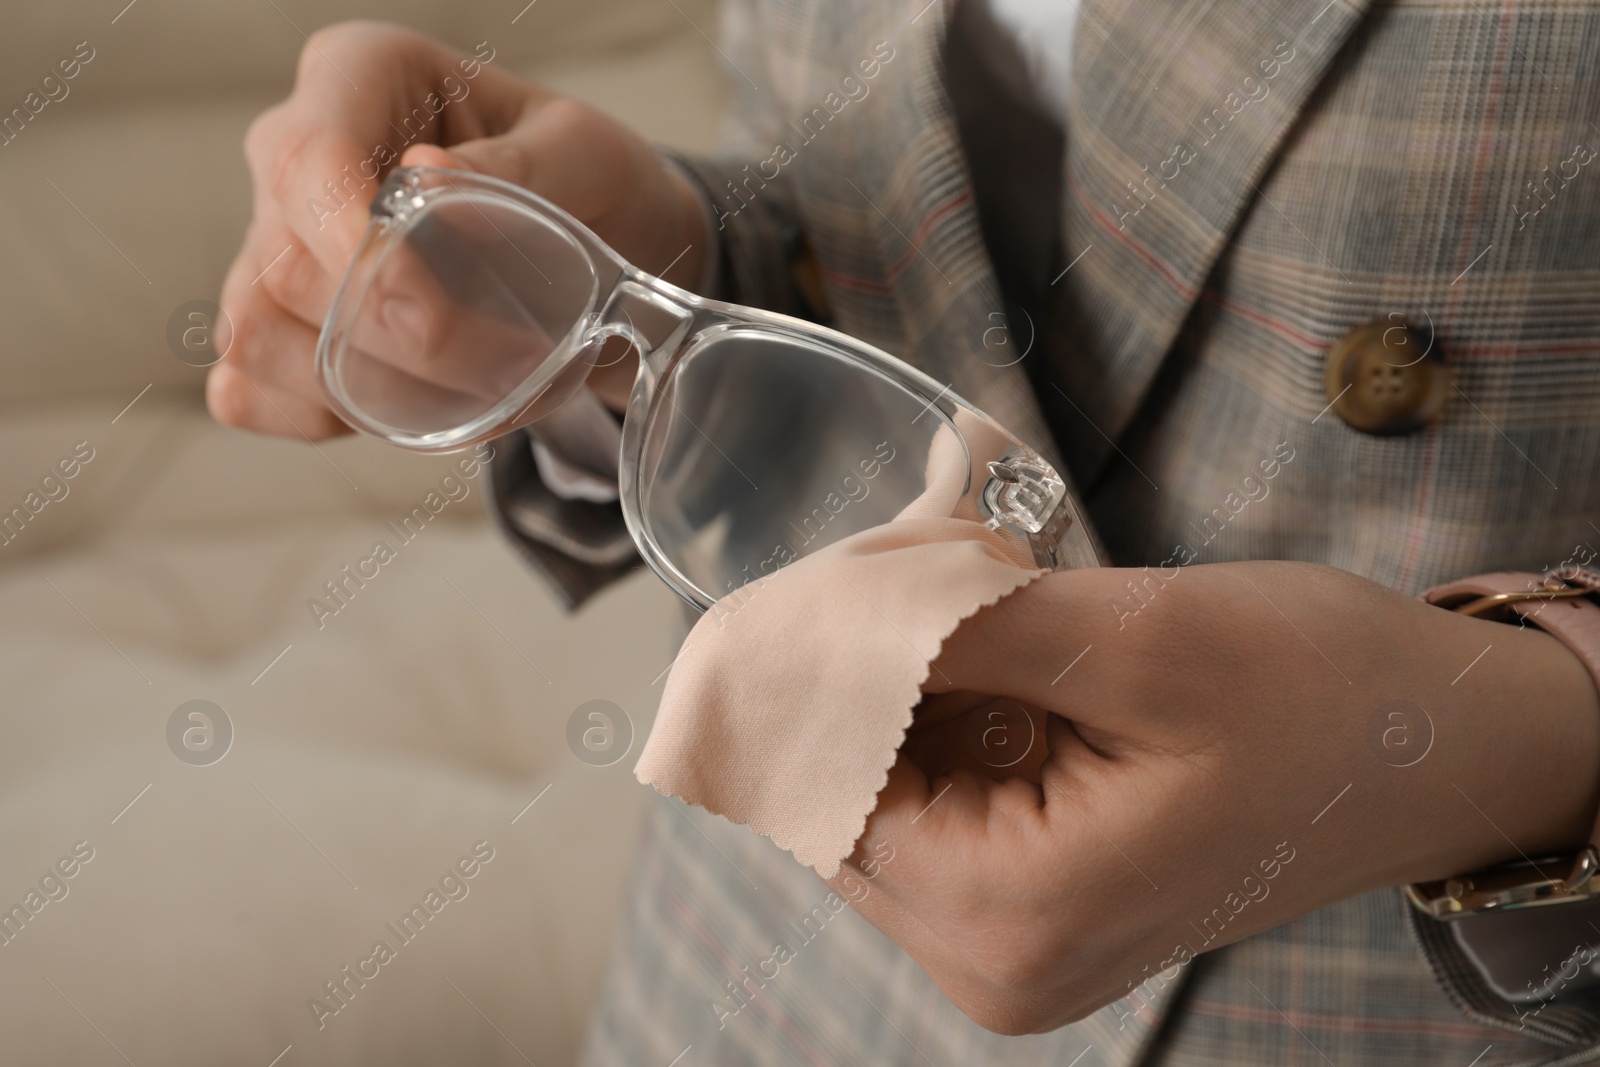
(460, 312)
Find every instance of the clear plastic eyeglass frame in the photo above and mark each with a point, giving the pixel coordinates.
(751, 439)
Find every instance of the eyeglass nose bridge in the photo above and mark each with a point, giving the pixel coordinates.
(646, 317)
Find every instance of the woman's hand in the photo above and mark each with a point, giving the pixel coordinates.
(318, 158)
(1253, 742)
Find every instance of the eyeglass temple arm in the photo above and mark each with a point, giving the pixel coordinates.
(1022, 491)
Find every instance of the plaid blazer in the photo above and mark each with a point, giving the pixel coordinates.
(1413, 157)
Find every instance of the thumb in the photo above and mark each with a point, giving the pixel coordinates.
(596, 169)
(505, 157)
(562, 150)
(430, 155)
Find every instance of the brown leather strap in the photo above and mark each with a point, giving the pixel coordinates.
(1572, 620)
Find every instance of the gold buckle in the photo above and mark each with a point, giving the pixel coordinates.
(1562, 879)
(1512, 886)
(1555, 588)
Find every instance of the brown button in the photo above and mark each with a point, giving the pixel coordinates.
(1386, 377)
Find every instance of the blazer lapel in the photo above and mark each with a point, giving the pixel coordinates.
(897, 184)
(913, 198)
(1173, 120)
(904, 257)
(1175, 114)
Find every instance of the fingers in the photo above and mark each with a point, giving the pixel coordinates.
(273, 349)
(996, 737)
(605, 175)
(316, 184)
(366, 97)
(275, 295)
(277, 264)
(363, 93)
(884, 845)
(934, 871)
(460, 303)
(316, 161)
(907, 788)
(235, 400)
(923, 831)
(273, 345)
(1061, 774)
(269, 287)
(318, 158)
(1059, 642)
(563, 150)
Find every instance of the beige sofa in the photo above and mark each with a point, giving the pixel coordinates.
(369, 756)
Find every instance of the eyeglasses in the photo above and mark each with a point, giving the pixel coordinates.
(473, 308)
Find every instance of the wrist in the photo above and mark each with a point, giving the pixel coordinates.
(1564, 783)
(1529, 785)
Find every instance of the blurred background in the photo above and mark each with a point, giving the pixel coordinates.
(366, 757)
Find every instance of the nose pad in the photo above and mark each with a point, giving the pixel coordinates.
(606, 360)
(562, 388)
(649, 320)
(636, 320)
(613, 366)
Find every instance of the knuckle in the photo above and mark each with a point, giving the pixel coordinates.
(244, 352)
(293, 281)
(350, 37)
(1015, 970)
(611, 148)
(227, 397)
(326, 37)
(334, 37)
(260, 135)
(1013, 959)
(281, 169)
(570, 115)
(1000, 1014)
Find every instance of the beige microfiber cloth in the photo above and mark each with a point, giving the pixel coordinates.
(790, 699)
